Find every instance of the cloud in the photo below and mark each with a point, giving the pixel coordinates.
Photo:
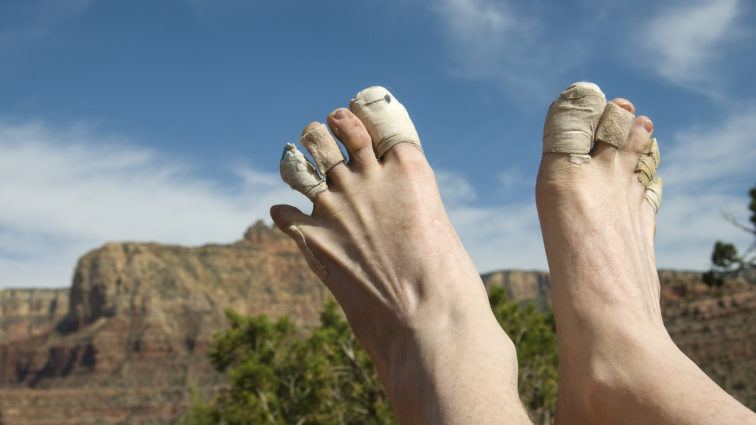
(707, 172)
(491, 40)
(711, 156)
(66, 192)
(496, 236)
(685, 42)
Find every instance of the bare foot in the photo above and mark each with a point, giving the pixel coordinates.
(380, 239)
(617, 362)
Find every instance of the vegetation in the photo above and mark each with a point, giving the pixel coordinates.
(276, 375)
(725, 259)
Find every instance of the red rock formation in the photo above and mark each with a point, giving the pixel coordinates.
(140, 319)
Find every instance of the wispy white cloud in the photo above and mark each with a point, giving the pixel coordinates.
(498, 236)
(685, 43)
(712, 156)
(66, 192)
(491, 40)
(707, 171)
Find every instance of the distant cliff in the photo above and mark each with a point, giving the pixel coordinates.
(130, 337)
(128, 340)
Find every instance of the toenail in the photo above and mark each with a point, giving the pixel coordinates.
(648, 125)
(340, 114)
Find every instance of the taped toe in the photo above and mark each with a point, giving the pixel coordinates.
(297, 171)
(572, 120)
(386, 120)
(653, 193)
(323, 148)
(648, 163)
(614, 125)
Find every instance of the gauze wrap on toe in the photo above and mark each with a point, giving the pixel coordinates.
(323, 148)
(648, 163)
(645, 170)
(653, 193)
(572, 120)
(385, 119)
(614, 125)
(297, 171)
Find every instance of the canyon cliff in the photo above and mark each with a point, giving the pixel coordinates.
(127, 341)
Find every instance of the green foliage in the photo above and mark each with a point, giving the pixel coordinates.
(534, 335)
(725, 259)
(276, 375)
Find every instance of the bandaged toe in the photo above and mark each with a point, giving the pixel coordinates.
(653, 193)
(614, 125)
(298, 173)
(323, 148)
(385, 119)
(571, 121)
(648, 163)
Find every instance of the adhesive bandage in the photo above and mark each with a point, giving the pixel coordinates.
(653, 193)
(385, 119)
(648, 163)
(572, 120)
(614, 125)
(323, 148)
(298, 173)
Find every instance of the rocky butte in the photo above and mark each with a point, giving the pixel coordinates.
(128, 340)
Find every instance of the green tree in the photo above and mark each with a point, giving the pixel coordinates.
(534, 335)
(725, 259)
(277, 375)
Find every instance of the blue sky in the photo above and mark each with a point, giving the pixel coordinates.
(164, 120)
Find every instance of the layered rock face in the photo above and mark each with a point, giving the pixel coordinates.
(126, 343)
(130, 338)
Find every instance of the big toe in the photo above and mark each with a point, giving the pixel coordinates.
(571, 121)
(386, 120)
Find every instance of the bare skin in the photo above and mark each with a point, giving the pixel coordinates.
(617, 362)
(408, 287)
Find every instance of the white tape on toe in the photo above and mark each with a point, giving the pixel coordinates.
(614, 125)
(385, 119)
(297, 171)
(323, 148)
(653, 193)
(572, 120)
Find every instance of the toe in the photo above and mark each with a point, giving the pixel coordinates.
(354, 136)
(571, 121)
(648, 163)
(613, 128)
(624, 104)
(639, 136)
(386, 120)
(324, 150)
(299, 173)
(653, 193)
(286, 216)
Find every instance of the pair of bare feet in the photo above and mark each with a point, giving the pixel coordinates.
(380, 239)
